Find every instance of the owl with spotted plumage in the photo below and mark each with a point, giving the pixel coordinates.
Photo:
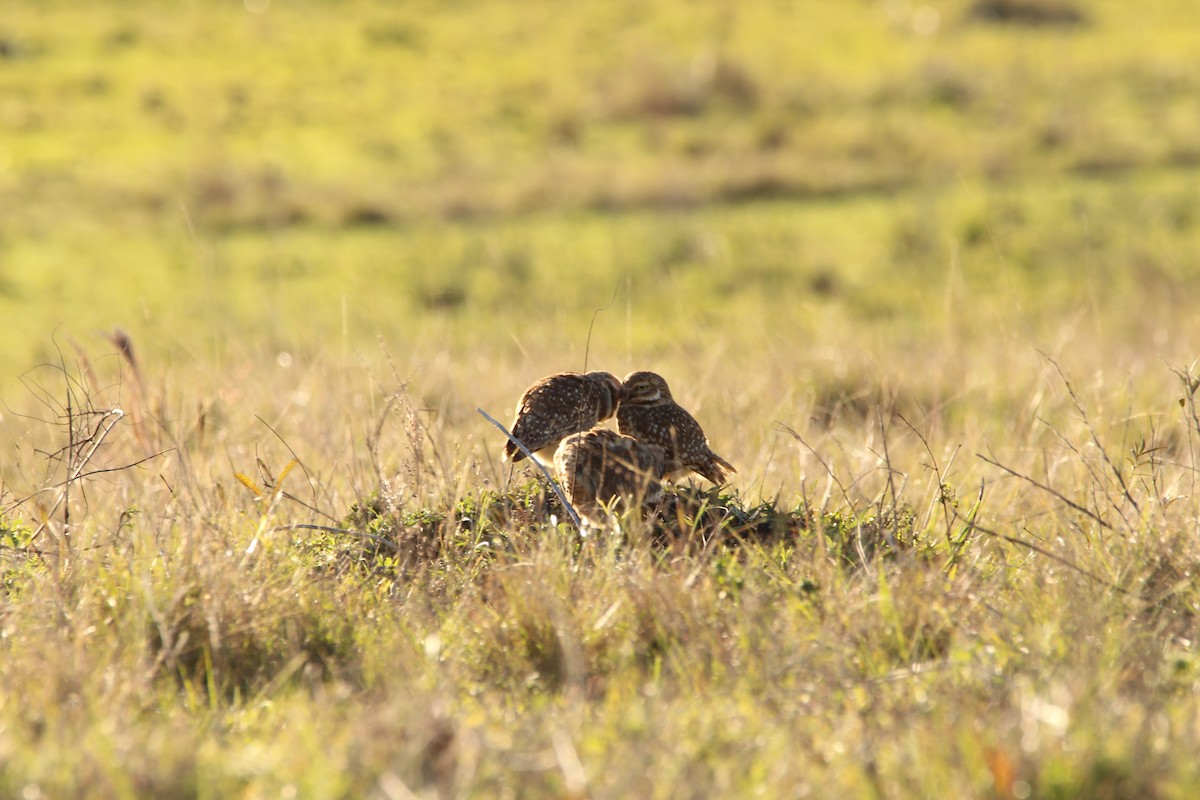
(649, 414)
(559, 405)
(600, 468)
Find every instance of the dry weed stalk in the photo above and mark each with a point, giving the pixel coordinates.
(1106, 508)
(89, 423)
(79, 455)
(427, 458)
(1190, 382)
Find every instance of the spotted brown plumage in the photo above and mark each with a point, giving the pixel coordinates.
(649, 414)
(600, 467)
(559, 405)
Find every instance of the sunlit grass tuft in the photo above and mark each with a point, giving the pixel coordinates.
(340, 629)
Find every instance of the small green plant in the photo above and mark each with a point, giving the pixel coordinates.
(15, 534)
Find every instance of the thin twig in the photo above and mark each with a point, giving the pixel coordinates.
(70, 455)
(370, 537)
(1066, 562)
(122, 468)
(311, 486)
(1191, 421)
(937, 472)
(98, 438)
(820, 460)
(1092, 432)
(891, 479)
(1097, 479)
(374, 438)
(312, 508)
(553, 483)
(1048, 489)
(587, 347)
(887, 457)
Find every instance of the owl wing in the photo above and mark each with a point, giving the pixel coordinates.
(550, 410)
(669, 426)
(675, 430)
(715, 468)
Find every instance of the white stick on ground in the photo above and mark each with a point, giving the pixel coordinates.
(553, 483)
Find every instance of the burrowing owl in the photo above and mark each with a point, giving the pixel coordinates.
(649, 414)
(599, 466)
(559, 405)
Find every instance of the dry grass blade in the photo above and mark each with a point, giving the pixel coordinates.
(1049, 490)
(1066, 562)
(104, 427)
(1092, 431)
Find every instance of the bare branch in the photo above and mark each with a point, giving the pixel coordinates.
(1092, 431)
(113, 414)
(1097, 478)
(121, 468)
(553, 483)
(1049, 490)
(1066, 562)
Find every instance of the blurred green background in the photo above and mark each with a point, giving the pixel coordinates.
(228, 181)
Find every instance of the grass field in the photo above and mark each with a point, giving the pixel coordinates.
(924, 271)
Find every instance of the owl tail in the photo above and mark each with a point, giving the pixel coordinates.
(718, 470)
(512, 453)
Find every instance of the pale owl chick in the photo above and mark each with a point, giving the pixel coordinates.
(559, 405)
(600, 467)
(649, 414)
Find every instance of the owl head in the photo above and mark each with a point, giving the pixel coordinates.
(644, 387)
(611, 385)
